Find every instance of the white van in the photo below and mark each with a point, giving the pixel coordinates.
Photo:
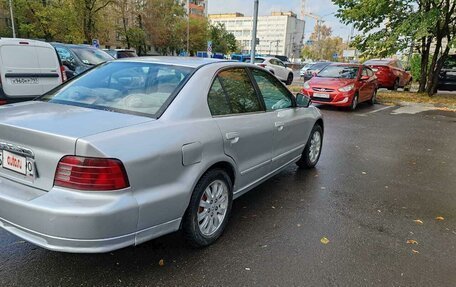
(28, 69)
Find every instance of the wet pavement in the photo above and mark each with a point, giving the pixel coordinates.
(378, 173)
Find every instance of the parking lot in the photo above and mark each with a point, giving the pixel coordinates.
(381, 170)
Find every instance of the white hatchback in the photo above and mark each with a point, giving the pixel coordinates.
(28, 69)
(276, 67)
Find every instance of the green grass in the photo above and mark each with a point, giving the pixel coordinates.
(396, 98)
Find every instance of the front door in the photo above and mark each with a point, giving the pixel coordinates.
(291, 125)
(245, 126)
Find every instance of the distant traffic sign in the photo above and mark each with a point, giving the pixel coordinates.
(209, 46)
(96, 43)
(335, 56)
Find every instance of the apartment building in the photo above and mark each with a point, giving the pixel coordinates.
(280, 33)
(197, 8)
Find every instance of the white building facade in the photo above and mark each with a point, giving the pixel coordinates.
(281, 33)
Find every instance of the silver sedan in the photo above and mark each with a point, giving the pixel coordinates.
(138, 148)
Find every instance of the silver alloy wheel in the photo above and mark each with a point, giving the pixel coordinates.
(315, 147)
(213, 207)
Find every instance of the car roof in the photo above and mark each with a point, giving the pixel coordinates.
(346, 64)
(73, 45)
(384, 61)
(17, 41)
(192, 62)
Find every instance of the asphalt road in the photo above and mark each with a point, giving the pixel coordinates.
(378, 173)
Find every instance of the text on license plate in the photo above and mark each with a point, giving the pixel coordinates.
(320, 95)
(24, 81)
(15, 162)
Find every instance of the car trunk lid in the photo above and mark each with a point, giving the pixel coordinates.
(40, 134)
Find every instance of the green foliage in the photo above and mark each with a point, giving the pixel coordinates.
(223, 41)
(323, 46)
(415, 66)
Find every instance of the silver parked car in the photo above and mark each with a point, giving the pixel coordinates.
(138, 148)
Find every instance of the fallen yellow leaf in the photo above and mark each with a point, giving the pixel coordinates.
(440, 218)
(415, 251)
(161, 262)
(418, 221)
(411, 241)
(324, 240)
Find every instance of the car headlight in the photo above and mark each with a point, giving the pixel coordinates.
(306, 85)
(347, 88)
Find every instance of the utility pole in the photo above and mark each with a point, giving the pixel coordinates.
(12, 18)
(188, 28)
(254, 32)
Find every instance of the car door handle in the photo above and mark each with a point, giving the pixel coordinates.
(233, 137)
(279, 126)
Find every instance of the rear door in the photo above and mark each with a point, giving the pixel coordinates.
(28, 70)
(366, 88)
(245, 126)
(291, 125)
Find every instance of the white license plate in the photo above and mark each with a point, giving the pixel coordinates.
(24, 81)
(320, 95)
(14, 162)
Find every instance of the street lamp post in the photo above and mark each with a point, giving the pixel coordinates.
(254, 32)
(12, 18)
(188, 28)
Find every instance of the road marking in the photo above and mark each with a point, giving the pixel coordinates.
(375, 111)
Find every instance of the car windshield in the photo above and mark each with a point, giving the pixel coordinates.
(138, 88)
(91, 56)
(343, 72)
(318, 66)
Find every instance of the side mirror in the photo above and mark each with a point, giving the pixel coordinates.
(303, 101)
(365, 78)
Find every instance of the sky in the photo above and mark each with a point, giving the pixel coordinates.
(318, 7)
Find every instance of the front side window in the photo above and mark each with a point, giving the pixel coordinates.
(65, 55)
(142, 88)
(233, 93)
(275, 95)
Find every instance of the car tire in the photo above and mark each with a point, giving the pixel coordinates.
(354, 102)
(198, 220)
(312, 151)
(396, 85)
(290, 79)
(373, 99)
(408, 86)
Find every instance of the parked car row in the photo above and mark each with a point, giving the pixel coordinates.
(30, 68)
(276, 67)
(389, 72)
(343, 85)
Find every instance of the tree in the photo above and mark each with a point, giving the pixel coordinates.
(223, 41)
(389, 26)
(323, 46)
(199, 33)
(89, 13)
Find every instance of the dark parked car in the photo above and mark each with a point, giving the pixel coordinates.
(447, 77)
(79, 58)
(315, 69)
(390, 74)
(121, 53)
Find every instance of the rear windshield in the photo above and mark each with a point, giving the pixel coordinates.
(126, 54)
(257, 60)
(377, 62)
(91, 56)
(450, 63)
(138, 88)
(339, 72)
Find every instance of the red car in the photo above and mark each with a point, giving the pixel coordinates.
(343, 85)
(390, 74)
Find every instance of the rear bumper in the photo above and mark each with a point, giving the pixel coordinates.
(67, 221)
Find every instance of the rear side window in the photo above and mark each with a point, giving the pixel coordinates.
(233, 93)
(275, 95)
(139, 88)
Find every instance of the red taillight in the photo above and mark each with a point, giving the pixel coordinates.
(2, 102)
(262, 65)
(23, 43)
(62, 71)
(95, 174)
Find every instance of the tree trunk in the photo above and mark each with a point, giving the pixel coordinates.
(435, 57)
(438, 68)
(425, 48)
